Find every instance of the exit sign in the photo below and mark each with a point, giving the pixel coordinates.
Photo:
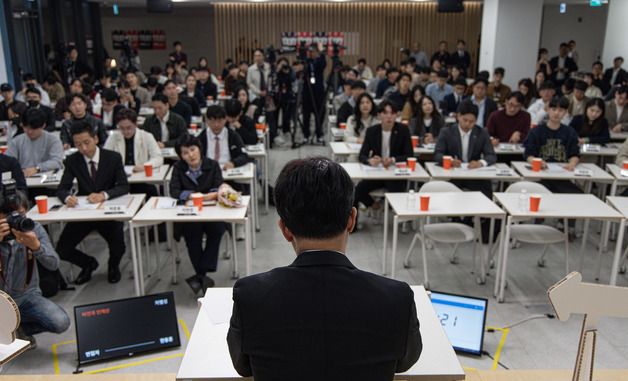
(595, 3)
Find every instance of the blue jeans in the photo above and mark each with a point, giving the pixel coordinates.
(39, 314)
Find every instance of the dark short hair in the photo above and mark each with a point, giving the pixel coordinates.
(160, 98)
(80, 126)
(500, 70)
(28, 77)
(33, 90)
(391, 69)
(82, 97)
(314, 197)
(176, 43)
(461, 41)
(404, 75)
(362, 60)
(35, 118)
(380, 67)
(358, 85)
(518, 95)
(109, 95)
(386, 103)
(559, 102)
(188, 141)
(483, 74)
(480, 80)
(547, 85)
(216, 112)
(126, 114)
(467, 107)
(233, 108)
(619, 58)
(581, 85)
(443, 74)
(460, 82)
(597, 63)
(169, 82)
(622, 90)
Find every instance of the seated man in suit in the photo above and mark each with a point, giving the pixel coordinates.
(240, 123)
(616, 111)
(384, 144)
(485, 105)
(321, 318)
(167, 127)
(347, 109)
(100, 176)
(110, 107)
(452, 101)
(467, 143)
(183, 109)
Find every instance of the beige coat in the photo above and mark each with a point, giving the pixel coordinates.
(145, 148)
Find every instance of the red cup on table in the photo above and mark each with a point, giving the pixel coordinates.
(42, 204)
(425, 202)
(447, 160)
(415, 142)
(625, 164)
(535, 202)
(412, 163)
(197, 200)
(222, 93)
(148, 169)
(193, 126)
(536, 164)
(3, 149)
(343, 126)
(260, 126)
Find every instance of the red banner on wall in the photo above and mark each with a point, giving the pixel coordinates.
(142, 39)
(292, 41)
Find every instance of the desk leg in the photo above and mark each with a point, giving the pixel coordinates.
(248, 229)
(585, 235)
(266, 181)
(500, 252)
(500, 297)
(426, 280)
(173, 256)
(136, 272)
(385, 235)
(482, 251)
(234, 259)
(617, 257)
(254, 210)
(394, 245)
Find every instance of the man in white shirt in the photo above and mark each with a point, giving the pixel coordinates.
(539, 109)
(257, 77)
(29, 81)
(364, 72)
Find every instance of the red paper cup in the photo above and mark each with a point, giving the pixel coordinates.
(193, 126)
(260, 126)
(197, 200)
(3, 149)
(412, 163)
(415, 142)
(535, 202)
(148, 169)
(42, 204)
(536, 165)
(222, 93)
(447, 162)
(343, 126)
(425, 202)
(625, 164)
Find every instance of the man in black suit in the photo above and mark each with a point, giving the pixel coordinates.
(452, 101)
(183, 109)
(222, 144)
(12, 165)
(33, 98)
(616, 76)
(321, 318)
(461, 58)
(346, 110)
(100, 176)
(562, 66)
(486, 106)
(384, 145)
(167, 127)
(110, 108)
(240, 123)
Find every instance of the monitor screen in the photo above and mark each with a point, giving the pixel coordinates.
(463, 319)
(126, 327)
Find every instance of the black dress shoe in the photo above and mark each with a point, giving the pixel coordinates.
(86, 272)
(195, 284)
(114, 275)
(207, 282)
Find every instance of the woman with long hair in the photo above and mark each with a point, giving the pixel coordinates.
(364, 116)
(412, 106)
(527, 88)
(248, 108)
(592, 126)
(427, 122)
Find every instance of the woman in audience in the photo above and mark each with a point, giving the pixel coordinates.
(539, 78)
(543, 64)
(527, 88)
(78, 105)
(412, 106)
(455, 73)
(386, 63)
(173, 74)
(592, 126)
(202, 63)
(233, 80)
(592, 90)
(364, 116)
(193, 91)
(249, 109)
(195, 173)
(427, 122)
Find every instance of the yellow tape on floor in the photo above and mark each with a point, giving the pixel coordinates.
(500, 346)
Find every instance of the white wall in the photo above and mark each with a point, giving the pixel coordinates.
(510, 37)
(3, 64)
(616, 43)
(584, 24)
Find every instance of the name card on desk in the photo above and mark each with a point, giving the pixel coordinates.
(234, 172)
(115, 209)
(504, 172)
(254, 148)
(591, 148)
(507, 147)
(583, 172)
(429, 146)
(402, 172)
(49, 179)
(187, 211)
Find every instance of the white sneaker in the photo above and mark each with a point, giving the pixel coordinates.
(240, 232)
(279, 140)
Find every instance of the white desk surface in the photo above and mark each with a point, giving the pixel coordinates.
(207, 354)
(359, 171)
(560, 205)
(484, 173)
(248, 172)
(599, 175)
(619, 135)
(256, 151)
(619, 203)
(169, 153)
(158, 177)
(66, 214)
(615, 170)
(150, 215)
(346, 149)
(337, 133)
(54, 180)
(11, 351)
(446, 204)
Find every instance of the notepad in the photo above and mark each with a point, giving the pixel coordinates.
(166, 203)
(214, 307)
(83, 204)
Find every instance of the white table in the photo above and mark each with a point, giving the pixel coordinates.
(149, 215)
(553, 205)
(169, 153)
(621, 205)
(446, 204)
(342, 150)
(618, 179)
(619, 136)
(48, 179)
(207, 354)
(259, 152)
(598, 174)
(359, 171)
(66, 214)
(485, 173)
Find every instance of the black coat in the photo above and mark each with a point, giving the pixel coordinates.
(570, 65)
(400, 143)
(489, 107)
(418, 128)
(464, 62)
(236, 147)
(110, 176)
(449, 144)
(175, 124)
(247, 130)
(622, 77)
(344, 112)
(449, 104)
(322, 319)
(99, 129)
(184, 110)
(10, 164)
(210, 179)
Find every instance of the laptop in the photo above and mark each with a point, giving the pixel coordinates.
(463, 318)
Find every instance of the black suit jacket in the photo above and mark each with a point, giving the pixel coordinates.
(175, 124)
(184, 110)
(344, 112)
(622, 77)
(10, 164)
(463, 62)
(400, 143)
(489, 107)
(449, 104)
(570, 65)
(450, 144)
(110, 176)
(322, 319)
(247, 130)
(211, 178)
(237, 153)
(50, 117)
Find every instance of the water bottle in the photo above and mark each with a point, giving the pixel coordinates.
(523, 200)
(411, 200)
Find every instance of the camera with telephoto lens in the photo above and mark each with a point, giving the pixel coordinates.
(9, 205)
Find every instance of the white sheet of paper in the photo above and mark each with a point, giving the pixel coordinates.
(368, 168)
(83, 204)
(166, 203)
(213, 305)
(354, 146)
(555, 167)
(123, 200)
(128, 169)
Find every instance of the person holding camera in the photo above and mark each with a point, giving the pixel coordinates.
(314, 91)
(22, 243)
(286, 97)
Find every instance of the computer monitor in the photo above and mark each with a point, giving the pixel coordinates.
(463, 318)
(122, 328)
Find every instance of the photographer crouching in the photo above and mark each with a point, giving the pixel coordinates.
(22, 242)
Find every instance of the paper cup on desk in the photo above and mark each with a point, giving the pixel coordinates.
(148, 169)
(260, 126)
(42, 204)
(343, 126)
(536, 165)
(400, 165)
(425, 202)
(197, 200)
(415, 142)
(412, 163)
(625, 164)
(222, 93)
(193, 126)
(535, 202)
(3, 149)
(447, 162)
